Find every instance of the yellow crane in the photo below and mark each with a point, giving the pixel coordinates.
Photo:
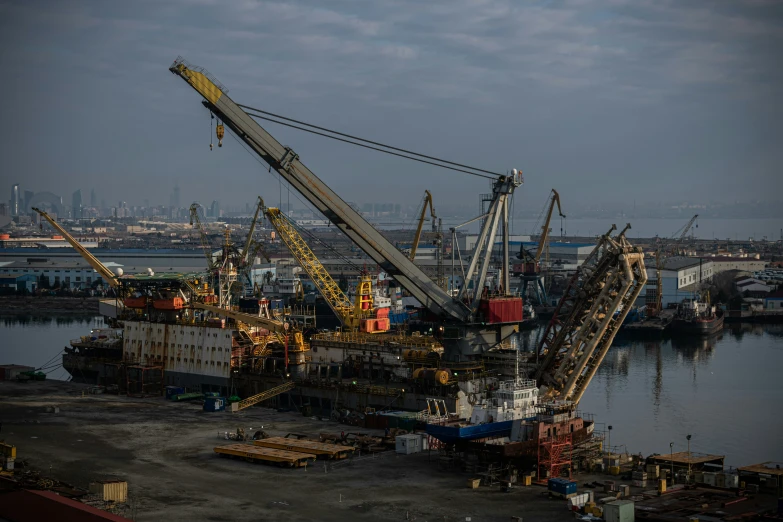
(103, 271)
(654, 302)
(545, 229)
(350, 314)
(245, 251)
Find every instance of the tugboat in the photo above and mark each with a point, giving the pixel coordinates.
(697, 317)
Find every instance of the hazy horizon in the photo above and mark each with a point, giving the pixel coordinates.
(610, 102)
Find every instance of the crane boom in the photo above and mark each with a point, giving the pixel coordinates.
(195, 220)
(545, 228)
(286, 162)
(246, 250)
(94, 262)
(417, 237)
(329, 289)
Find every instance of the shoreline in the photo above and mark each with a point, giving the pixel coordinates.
(47, 305)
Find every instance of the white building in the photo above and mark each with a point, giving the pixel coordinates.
(680, 277)
(744, 264)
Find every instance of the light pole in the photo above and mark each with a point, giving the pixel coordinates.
(688, 436)
(609, 445)
(671, 449)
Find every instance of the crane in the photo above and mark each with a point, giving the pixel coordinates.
(588, 316)
(245, 251)
(436, 229)
(530, 269)
(654, 300)
(94, 262)
(350, 315)
(467, 328)
(195, 220)
(545, 229)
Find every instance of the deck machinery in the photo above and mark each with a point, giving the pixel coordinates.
(466, 322)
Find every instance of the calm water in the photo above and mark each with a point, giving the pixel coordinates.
(708, 228)
(38, 340)
(726, 391)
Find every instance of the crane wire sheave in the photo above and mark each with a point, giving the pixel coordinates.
(588, 317)
(94, 262)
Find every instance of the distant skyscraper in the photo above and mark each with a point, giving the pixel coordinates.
(28, 199)
(174, 199)
(93, 198)
(14, 206)
(215, 209)
(76, 204)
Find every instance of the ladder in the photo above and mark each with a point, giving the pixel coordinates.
(268, 394)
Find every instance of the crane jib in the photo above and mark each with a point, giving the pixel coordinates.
(285, 161)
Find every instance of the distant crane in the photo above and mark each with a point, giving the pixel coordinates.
(437, 230)
(208, 251)
(530, 268)
(103, 271)
(654, 296)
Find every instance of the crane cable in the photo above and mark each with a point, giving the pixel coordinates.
(407, 154)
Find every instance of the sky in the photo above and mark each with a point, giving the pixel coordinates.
(604, 100)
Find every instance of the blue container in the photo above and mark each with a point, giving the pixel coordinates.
(561, 486)
(173, 390)
(214, 404)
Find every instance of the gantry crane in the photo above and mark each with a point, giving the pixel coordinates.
(530, 268)
(103, 271)
(350, 315)
(466, 328)
(589, 315)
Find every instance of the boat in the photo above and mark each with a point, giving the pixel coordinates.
(697, 317)
(491, 417)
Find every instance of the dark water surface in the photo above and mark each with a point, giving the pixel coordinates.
(38, 340)
(726, 391)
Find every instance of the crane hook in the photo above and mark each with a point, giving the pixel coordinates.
(219, 131)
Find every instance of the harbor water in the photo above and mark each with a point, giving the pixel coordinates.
(725, 391)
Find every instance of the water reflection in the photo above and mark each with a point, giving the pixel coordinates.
(25, 320)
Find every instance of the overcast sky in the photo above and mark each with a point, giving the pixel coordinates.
(604, 100)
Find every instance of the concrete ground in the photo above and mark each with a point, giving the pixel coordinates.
(165, 452)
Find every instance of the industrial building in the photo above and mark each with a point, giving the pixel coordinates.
(569, 255)
(131, 260)
(743, 264)
(680, 278)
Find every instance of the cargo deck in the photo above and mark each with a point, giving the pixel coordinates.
(253, 453)
(311, 447)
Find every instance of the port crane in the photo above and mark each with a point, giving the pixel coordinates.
(466, 329)
(530, 268)
(195, 220)
(654, 293)
(437, 230)
(106, 274)
(350, 315)
(587, 318)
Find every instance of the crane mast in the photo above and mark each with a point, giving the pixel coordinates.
(246, 249)
(94, 262)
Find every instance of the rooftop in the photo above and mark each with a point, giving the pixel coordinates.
(678, 263)
(684, 457)
(769, 468)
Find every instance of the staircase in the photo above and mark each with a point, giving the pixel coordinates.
(268, 394)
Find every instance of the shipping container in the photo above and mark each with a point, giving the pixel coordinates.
(710, 478)
(732, 480)
(619, 511)
(502, 309)
(561, 486)
(214, 404)
(175, 303)
(382, 313)
(110, 490)
(407, 444)
(173, 390)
